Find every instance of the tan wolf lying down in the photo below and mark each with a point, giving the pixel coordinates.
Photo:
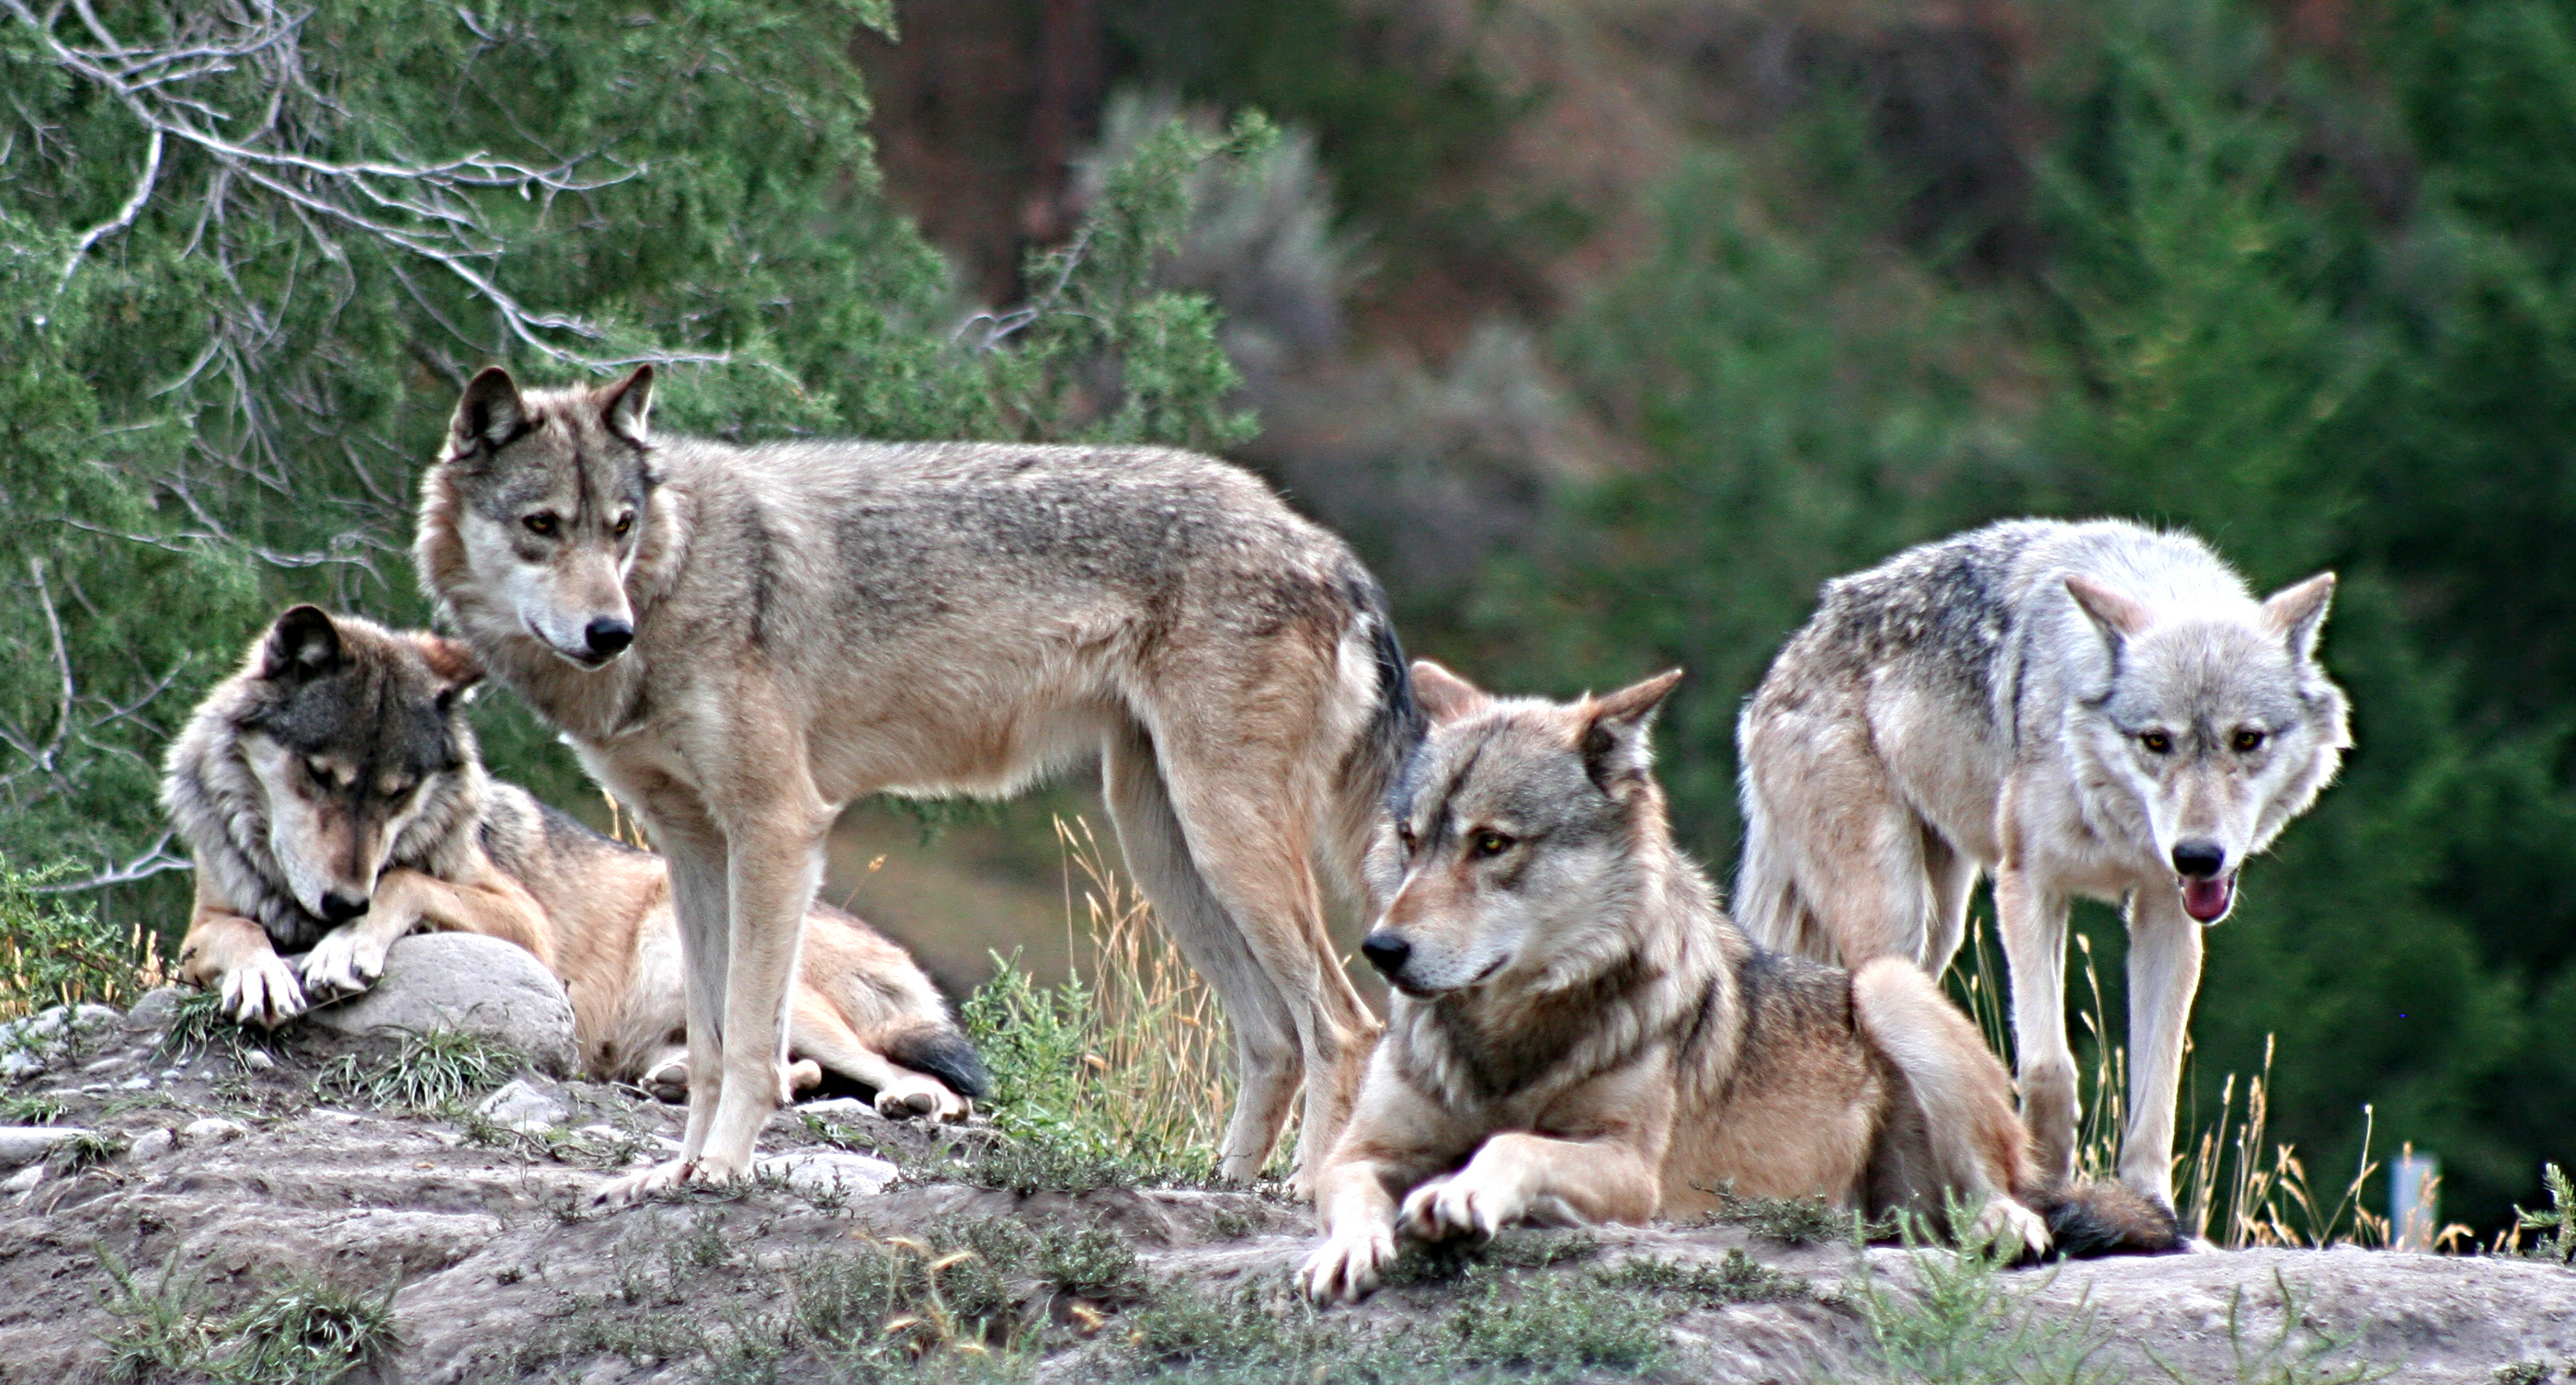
(1581, 1035)
(334, 799)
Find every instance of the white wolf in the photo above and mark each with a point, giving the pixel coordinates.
(2094, 709)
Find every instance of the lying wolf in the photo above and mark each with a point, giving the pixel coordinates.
(1580, 1034)
(741, 640)
(332, 796)
(2093, 709)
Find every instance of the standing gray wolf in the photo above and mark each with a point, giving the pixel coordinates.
(2093, 709)
(1580, 1034)
(333, 798)
(740, 640)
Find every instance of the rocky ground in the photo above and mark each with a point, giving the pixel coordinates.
(178, 1202)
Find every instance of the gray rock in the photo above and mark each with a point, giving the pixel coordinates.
(18, 1064)
(463, 982)
(207, 1130)
(525, 1106)
(257, 1059)
(24, 1179)
(156, 1008)
(152, 1144)
(25, 1144)
(136, 1084)
(828, 1173)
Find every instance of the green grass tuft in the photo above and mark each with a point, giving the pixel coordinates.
(429, 1072)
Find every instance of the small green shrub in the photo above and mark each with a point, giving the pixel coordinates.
(2557, 1225)
(1738, 1279)
(53, 954)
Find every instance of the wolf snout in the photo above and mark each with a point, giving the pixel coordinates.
(607, 637)
(1386, 951)
(340, 908)
(2199, 859)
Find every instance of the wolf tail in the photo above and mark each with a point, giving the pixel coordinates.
(1395, 726)
(944, 1052)
(2105, 1218)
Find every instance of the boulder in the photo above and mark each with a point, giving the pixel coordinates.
(828, 1173)
(156, 1008)
(526, 1106)
(468, 983)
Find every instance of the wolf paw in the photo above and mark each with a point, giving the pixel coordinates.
(668, 1080)
(915, 1095)
(703, 1171)
(2014, 1231)
(263, 992)
(343, 963)
(1459, 1205)
(1347, 1267)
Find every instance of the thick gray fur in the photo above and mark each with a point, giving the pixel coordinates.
(2080, 708)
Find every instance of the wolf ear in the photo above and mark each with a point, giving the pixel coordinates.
(2115, 614)
(626, 403)
(452, 663)
(1613, 741)
(302, 644)
(2298, 613)
(1445, 696)
(489, 415)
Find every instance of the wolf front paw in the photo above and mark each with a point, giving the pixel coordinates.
(1346, 1268)
(263, 992)
(343, 963)
(1459, 1205)
(916, 1095)
(703, 1171)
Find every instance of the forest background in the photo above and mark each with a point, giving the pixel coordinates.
(1607, 329)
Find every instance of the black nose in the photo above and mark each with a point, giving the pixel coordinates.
(1385, 951)
(2198, 859)
(608, 635)
(340, 908)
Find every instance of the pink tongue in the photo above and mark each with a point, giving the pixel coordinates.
(2206, 900)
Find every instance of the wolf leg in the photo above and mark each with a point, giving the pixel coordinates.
(1519, 1177)
(701, 909)
(775, 863)
(1980, 1154)
(2033, 924)
(1267, 1055)
(2164, 976)
(816, 1030)
(1249, 821)
(1834, 857)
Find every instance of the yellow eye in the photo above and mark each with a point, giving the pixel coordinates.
(1488, 842)
(2248, 739)
(542, 524)
(2156, 742)
(624, 523)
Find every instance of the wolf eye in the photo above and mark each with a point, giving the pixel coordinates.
(1487, 842)
(623, 524)
(2156, 742)
(319, 769)
(2248, 739)
(542, 524)
(1404, 838)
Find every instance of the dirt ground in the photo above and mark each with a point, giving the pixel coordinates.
(221, 1178)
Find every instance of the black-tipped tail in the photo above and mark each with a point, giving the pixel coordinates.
(1399, 724)
(2105, 1218)
(944, 1053)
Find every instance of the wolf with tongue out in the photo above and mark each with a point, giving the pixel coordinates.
(2092, 709)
